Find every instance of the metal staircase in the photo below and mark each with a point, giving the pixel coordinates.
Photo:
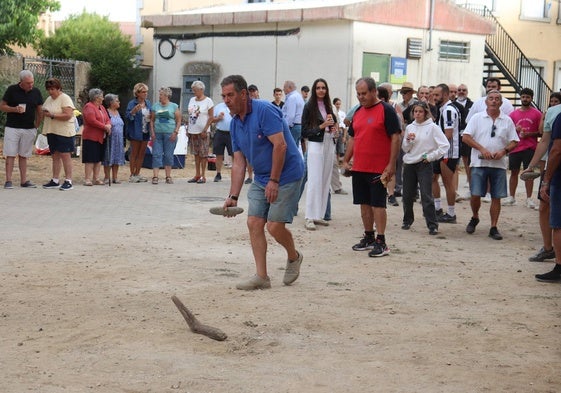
(504, 60)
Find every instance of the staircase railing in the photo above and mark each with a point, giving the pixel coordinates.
(512, 62)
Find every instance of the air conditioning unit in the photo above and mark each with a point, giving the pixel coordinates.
(414, 48)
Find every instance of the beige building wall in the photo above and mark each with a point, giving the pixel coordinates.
(538, 38)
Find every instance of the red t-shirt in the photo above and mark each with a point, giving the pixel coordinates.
(372, 129)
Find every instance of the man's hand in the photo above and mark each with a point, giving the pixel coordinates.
(271, 191)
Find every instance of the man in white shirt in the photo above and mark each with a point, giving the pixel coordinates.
(492, 135)
(480, 106)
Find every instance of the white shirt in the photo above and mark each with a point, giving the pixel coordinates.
(198, 114)
(429, 140)
(480, 128)
(480, 106)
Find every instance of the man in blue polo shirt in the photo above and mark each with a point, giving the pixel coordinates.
(260, 135)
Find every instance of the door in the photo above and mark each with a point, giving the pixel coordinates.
(187, 93)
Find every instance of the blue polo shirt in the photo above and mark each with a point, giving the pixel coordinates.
(250, 136)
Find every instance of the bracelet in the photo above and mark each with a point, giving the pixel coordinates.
(274, 180)
(544, 183)
(233, 197)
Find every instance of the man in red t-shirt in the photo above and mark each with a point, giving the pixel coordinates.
(375, 139)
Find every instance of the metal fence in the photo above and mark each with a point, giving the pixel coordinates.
(43, 69)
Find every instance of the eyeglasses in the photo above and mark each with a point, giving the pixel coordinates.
(462, 89)
(493, 131)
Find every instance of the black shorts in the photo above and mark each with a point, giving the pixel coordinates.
(465, 150)
(222, 139)
(451, 163)
(92, 151)
(520, 157)
(368, 190)
(60, 144)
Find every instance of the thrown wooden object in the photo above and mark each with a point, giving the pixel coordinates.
(195, 325)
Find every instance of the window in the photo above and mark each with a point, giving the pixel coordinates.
(453, 51)
(535, 9)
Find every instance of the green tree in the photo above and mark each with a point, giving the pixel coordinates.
(18, 22)
(93, 38)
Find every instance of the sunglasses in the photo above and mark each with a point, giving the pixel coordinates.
(493, 129)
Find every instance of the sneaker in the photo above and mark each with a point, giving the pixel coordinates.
(470, 228)
(321, 222)
(446, 218)
(292, 270)
(542, 255)
(439, 212)
(66, 186)
(392, 201)
(249, 180)
(433, 231)
(194, 179)
(406, 226)
(28, 184)
(8, 185)
(486, 198)
(508, 201)
(309, 225)
(201, 180)
(218, 177)
(552, 276)
(254, 283)
(142, 179)
(494, 234)
(134, 179)
(340, 191)
(380, 249)
(51, 184)
(366, 243)
(530, 204)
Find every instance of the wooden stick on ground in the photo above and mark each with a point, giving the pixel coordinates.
(195, 325)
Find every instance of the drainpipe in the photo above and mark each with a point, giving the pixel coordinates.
(431, 24)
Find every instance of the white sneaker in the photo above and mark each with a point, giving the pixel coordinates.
(508, 201)
(486, 198)
(530, 204)
(310, 226)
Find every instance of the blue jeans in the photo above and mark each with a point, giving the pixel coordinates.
(296, 131)
(162, 150)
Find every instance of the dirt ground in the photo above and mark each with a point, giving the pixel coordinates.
(87, 275)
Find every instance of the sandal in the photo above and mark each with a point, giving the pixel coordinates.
(98, 182)
(169, 180)
(88, 183)
(194, 179)
(155, 180)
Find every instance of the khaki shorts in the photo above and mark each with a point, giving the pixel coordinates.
(19, 141)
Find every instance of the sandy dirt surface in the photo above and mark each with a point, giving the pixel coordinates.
(87, 275)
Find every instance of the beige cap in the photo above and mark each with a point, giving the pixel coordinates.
(407, 87)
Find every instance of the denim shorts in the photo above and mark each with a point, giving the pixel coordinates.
(554, 208)
(282, 210)
(481, 176)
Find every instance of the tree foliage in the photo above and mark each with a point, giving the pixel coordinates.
(18, 22)
(93, 38)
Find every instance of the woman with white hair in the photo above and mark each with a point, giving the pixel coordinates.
(164, 128)
(115, 153)
(200, 118)
(96, 126)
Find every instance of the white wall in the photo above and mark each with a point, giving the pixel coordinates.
(331, 50)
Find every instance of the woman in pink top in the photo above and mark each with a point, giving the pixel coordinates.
(96, 126)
